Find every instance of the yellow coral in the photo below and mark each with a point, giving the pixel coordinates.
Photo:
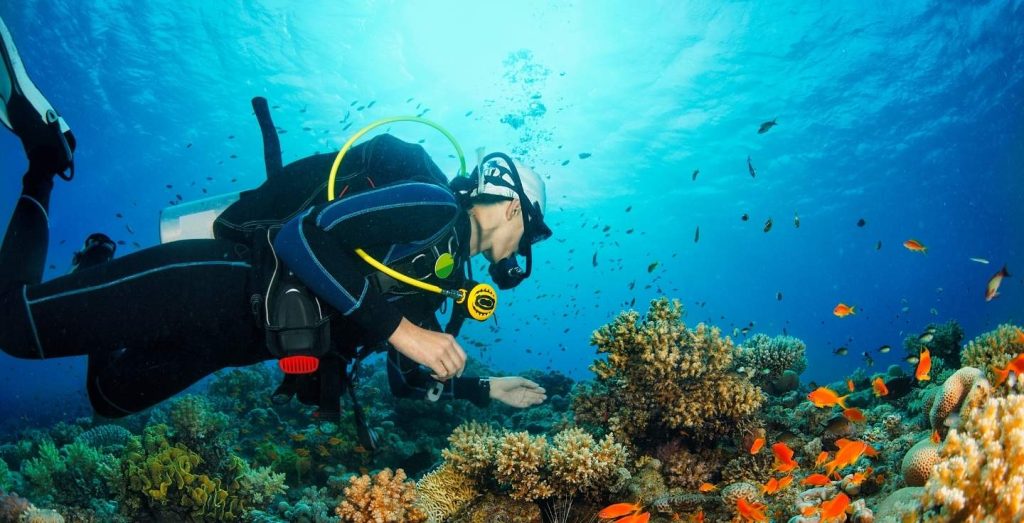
(580, 465)
(519, 463)
(471, 449)
(384, 498)
(994, 348)
(981, 475)
(444, 491)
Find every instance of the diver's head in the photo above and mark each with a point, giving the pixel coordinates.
(507, 203)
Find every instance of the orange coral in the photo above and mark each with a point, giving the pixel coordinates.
(384, 498)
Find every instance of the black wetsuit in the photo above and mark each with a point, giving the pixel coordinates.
(160, 319)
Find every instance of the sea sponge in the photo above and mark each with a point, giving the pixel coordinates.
(664, 375)
(770, 357)
(981, 475)
(444, 491)
(966, 386)
(994, 348)
(918, 462)
(384, 498)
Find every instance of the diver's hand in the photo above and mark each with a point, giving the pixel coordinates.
(436, 350)
(517, 392)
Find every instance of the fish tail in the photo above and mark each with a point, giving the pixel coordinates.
(853, 309)
(842, 401)
(1001, 374)
(1003, 272)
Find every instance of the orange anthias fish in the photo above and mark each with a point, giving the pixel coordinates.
(879, 387)
(707, 487)
(750, 511)
(992, 290)
(849, 384)
(848, 454)
(1015, 366)
(936, 437)
(822, 457)
(771, 487)
(915, 246)
(756, 447)
(855, 415)
(834, 507)
(816, 480)
(924, 366)
(784, 461)
(843, 310)
(631, 511)
(784, 482)
(826, 397)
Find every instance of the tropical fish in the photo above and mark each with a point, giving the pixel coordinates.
(835, 507)
(299, 437)
(822, 458)
(927, 337)
(771, 487)
(652, 266)
(778, 296)
(796, 220)
(784, 461)
(768, 224)
(879, 387)
(858, 477)
(841, 351)
(756, 447)
(750, 167)
(924, 366)
(982, 261)
(878, 246)
(868, 360)
(861, 222)
(915, 246)
(619, 510)
(784, 482)
(635, 518)
(912, 359)
(884, 349)
(993, 284)
(936, 438)
(855, 415)
(848, 454)
(816, 480)
(322, 450)
(745, 217)
(766, 126)
(849, 384)
(750, 511)
(696, 235)
(825, 397)
(1012, 371)
(707, 487)
(843, 310)
(695, 173)
(334, 441)
(302, 452)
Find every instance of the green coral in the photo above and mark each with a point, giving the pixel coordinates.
(5, 476)
(73, 474)
(766, 358)
(994, 348)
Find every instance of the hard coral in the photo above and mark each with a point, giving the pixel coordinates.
(945, 342)
(981, 475)
(993, 349)
(664, 375)
(445, 491)
(770, 357)
(918, 462)
(104, 436)
(685, 469)
(520, 463)
(962, 391)
(384, 498)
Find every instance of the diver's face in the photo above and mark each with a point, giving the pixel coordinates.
(509, 231)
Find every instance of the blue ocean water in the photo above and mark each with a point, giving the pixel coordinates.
(907, 115)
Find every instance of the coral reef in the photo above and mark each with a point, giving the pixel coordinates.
(981, 475)
(993, 349)
(445, 491)
(963, 390)
(685, 469)
(944, 343)
(769, 359)
(494, 508)
(383, 498)
(105, 436)
(665, 376)
(918, 462)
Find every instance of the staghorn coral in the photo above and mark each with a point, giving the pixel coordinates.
(994, 348)
(965, 389)
(519, 461)
(581, 466)
(770, 358)
(981, 475)
(444, 491)
(471, 450)
(918, 462)
(663, 375)
(384, 498)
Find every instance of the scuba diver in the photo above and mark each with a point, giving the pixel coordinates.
(316, 279)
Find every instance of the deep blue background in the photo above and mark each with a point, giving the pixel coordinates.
(906, 115)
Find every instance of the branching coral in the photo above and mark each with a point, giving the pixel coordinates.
(993, 349)
(384, 498)
(105, 436)
(519, 463)
(664, 375)
(770, 357)
(981, 475)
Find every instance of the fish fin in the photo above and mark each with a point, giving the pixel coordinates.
(1001, 374)
(842, 401)
(1004, 272)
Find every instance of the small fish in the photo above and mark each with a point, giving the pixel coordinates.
(696, 235)
(565, 163)
(796, 220)
(778, 296)
(785, 482)
(868, 360)
(334, 441)
(843, 310)
(629, 208)
(912, 359)
(584, 156)
(750, 167)
(652, 266)
(992, 290)
(924, 366)
(322, 450)
(926, 337)
(771, 487)
(816, 480)
(619, 510)
(766, 126)
(756, 447)
(745, 217)
(878, 386)
(936, 438)
(841, 351)
(855, 415)
(878, 246)
(768, 224)
(593, 261)
(826, 397)
(695, 173)
(750, 511)
(822, 458)
(915, 246)
(835, 507)
(1013, 370)
(849, 384)
(848, 454)
(861, 222)
(784, 461)
(299, 437)
(982, 261)
(884, 349)
(707, 487)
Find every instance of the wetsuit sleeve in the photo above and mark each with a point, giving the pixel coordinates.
(319, 246)
(407, 379)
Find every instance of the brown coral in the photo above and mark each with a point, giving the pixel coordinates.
(685, 469)
(384, 498)
(665, 375)
(967, 385)
(493, 508)
(918, 462)
(444, 491)
(993, 349)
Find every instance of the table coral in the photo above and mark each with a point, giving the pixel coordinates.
(664, 375)
(383, 498)
(981, 475)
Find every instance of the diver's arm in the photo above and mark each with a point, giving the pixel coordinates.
(318, 246)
